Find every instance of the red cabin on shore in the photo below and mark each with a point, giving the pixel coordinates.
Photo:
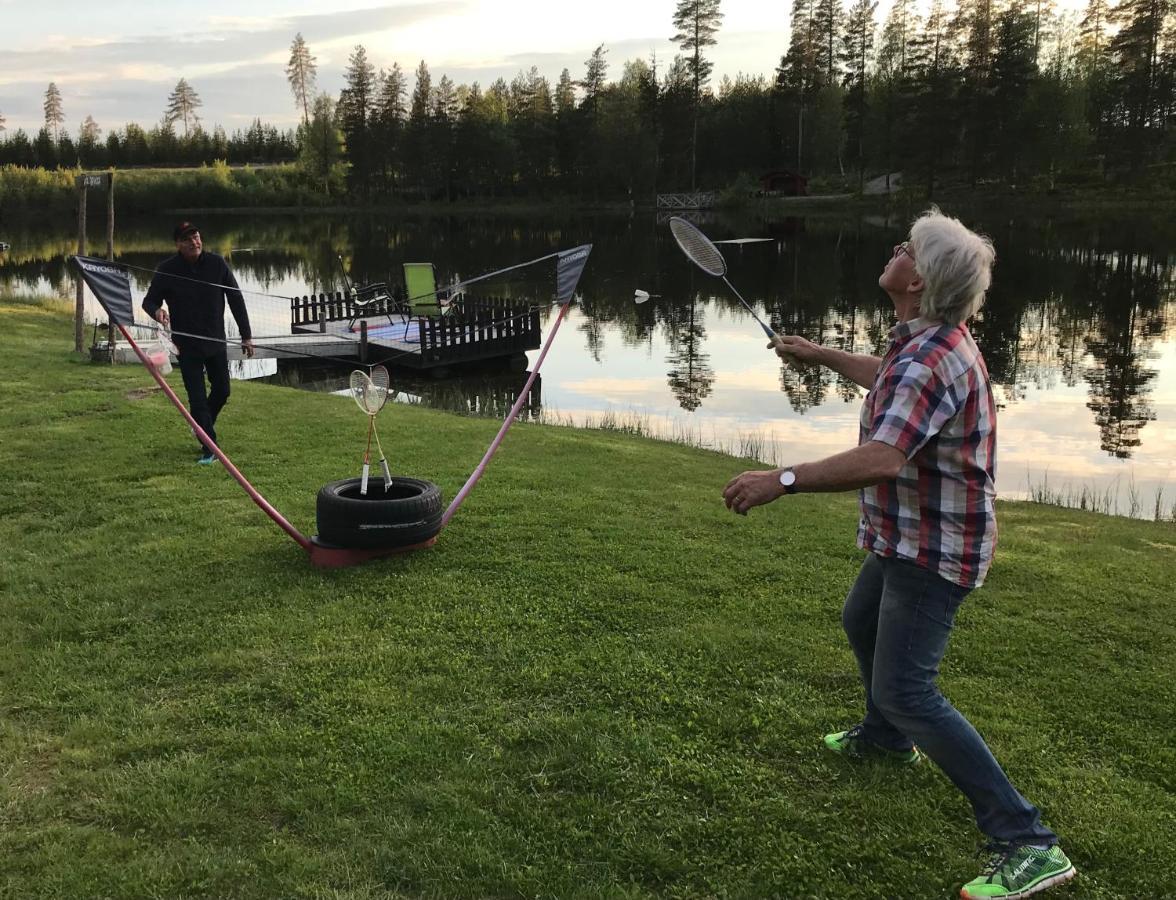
(782, 181)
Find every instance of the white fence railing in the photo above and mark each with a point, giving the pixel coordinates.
(696, 200)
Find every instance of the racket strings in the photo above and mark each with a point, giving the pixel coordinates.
(698, 247)
(370, 393)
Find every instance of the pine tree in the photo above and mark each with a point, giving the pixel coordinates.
(391, 115)
(300, 72)
(54, 116)
(974, 24)
(356, 107)
(182, 105)
(390, 107)
(565, 93)
(828, 19)
(898, 33)
(596, 71)
(1014, 70)
(697, 22)
(419, 165)
(1094, 61)
(565, 127)
(1136, 50)
(88, 146)
(935, 117)
(443, 110)
(2, 119)
(798, 76)
(321, 146)
(857, 49)
(89, 132)
(1093, 29)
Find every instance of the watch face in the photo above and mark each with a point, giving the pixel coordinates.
(787, 478)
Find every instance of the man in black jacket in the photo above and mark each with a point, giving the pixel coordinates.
(194, 285)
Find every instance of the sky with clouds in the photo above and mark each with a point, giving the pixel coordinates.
(119, 60)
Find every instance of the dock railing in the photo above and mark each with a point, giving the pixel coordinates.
(476, 328)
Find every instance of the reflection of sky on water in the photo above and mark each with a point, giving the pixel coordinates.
(1045, 437)
(269, 315)
(1077, 331)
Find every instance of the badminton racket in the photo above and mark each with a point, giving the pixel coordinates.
(701, 251)
(370, 394)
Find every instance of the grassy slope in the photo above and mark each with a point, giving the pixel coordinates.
(597, 683)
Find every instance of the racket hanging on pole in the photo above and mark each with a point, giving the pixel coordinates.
(370, 394)
(701, 251)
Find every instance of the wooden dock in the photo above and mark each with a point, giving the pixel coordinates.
(472, 329)
(288, 346)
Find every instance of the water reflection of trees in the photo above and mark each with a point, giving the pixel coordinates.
(691, 376)
(1092, 312)
(1064, 308)
(1072, 303)
(1120, 379)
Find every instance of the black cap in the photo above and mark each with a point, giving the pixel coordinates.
(183, 230)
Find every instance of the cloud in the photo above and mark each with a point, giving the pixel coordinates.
(233, 41)
(142, 69)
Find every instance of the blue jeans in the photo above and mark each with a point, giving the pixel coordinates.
(898, 617)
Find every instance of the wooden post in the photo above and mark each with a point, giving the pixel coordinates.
(111, 330)
(80, 306)
(110, 217)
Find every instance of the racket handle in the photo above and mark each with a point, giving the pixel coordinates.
(363, 480)
(387, 474)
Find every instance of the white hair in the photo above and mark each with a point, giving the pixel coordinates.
(955, 265)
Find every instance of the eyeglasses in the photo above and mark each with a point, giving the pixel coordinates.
(904, 247)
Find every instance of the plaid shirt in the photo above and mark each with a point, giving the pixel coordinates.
(931, 399)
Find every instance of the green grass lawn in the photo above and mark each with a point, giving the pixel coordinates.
(598, 683)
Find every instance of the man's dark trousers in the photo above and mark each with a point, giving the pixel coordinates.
(206, 404)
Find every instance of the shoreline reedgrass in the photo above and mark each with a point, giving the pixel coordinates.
(1111, 499)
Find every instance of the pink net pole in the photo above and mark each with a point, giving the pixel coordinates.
(298, 536)
(510, 418)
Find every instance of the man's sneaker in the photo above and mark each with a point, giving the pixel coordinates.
(1013, 872)
(855, 744)
(207, 458)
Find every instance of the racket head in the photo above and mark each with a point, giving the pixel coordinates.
(359, 383)
(699, 249)
(377, 389)
(369, 396)
(379, 377)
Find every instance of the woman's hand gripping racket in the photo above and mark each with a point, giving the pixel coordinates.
(701, 251)
(371, 393)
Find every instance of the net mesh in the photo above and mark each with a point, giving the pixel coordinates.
(698, 247)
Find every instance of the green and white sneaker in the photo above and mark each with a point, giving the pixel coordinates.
(1013, 872)
(855, 744)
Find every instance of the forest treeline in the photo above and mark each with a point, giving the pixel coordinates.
(972, 93)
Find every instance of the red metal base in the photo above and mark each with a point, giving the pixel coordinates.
(328, 556)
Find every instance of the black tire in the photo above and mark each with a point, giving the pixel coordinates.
(407, 513)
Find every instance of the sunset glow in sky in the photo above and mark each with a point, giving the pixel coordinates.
(119, 60)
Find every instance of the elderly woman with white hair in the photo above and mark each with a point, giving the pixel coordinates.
(924, 466)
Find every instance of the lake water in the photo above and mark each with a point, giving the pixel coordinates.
(1078, 332)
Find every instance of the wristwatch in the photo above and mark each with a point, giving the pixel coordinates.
(788, 480)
